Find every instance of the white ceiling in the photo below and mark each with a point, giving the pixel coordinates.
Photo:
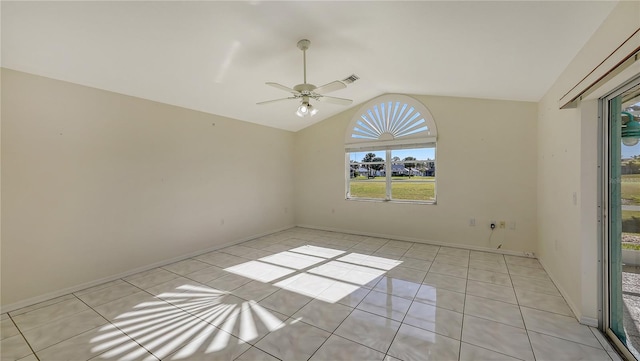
(216, 56)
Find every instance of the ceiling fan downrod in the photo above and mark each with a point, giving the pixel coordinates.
(304, 45)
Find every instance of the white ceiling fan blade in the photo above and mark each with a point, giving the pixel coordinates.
(275, 100)
(334, 100)
(282, 87)
(328, 88)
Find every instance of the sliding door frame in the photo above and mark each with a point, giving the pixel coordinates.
(604, 185)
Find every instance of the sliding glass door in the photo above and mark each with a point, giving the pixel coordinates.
(622, 211)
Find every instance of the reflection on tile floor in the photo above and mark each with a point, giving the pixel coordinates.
(305, 294)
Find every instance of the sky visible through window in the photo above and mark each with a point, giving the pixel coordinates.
(629, 152)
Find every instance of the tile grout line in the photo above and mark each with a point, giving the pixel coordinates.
(464, 315)
(177, 307)
(257, 348)
(35, 309)
(547, 311)
(90, 308)
(216, 327)
(353, 309)
(572, 341)
(412, 300)
(493, 299)
(341, 322)
(464, 305)
(118, 328)
(48, 322)
(255, 344)
(73, 296)
(33, 352)
(526, 330)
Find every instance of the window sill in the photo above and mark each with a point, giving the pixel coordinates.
(400, 201)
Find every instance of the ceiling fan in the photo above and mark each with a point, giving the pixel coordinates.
(306, 91)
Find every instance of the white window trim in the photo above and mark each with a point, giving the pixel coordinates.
(385, 108)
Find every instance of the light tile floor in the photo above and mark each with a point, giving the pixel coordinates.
(306, 294)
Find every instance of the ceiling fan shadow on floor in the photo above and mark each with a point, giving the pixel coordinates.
(306, 91)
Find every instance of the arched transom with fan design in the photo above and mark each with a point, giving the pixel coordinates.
(391, 117)
(390, 147)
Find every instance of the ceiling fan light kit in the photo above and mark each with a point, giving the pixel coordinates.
(306, 91)
(306, 110)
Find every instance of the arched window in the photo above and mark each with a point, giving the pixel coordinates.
(390, 147)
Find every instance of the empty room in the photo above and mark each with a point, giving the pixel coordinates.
(320, 180)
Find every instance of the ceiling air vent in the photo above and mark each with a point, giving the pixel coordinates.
(350, 79)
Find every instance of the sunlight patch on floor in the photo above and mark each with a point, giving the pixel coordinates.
(193, 318)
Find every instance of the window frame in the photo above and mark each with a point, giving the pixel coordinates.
(375, 127)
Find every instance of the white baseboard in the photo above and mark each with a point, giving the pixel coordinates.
(420, 240)
(80, 287)
(589, 321)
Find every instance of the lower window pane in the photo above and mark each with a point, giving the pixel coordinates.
(366, 187)
(419, 188)
(413, 174)
(367, 174)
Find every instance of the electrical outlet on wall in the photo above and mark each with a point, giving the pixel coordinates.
(472, 222)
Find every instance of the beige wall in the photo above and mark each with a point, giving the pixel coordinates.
(95, 184)
(567, 164)
(486, 169)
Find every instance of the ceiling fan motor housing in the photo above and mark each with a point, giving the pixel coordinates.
(304, 88)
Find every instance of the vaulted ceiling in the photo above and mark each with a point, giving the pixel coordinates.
(216, 56)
